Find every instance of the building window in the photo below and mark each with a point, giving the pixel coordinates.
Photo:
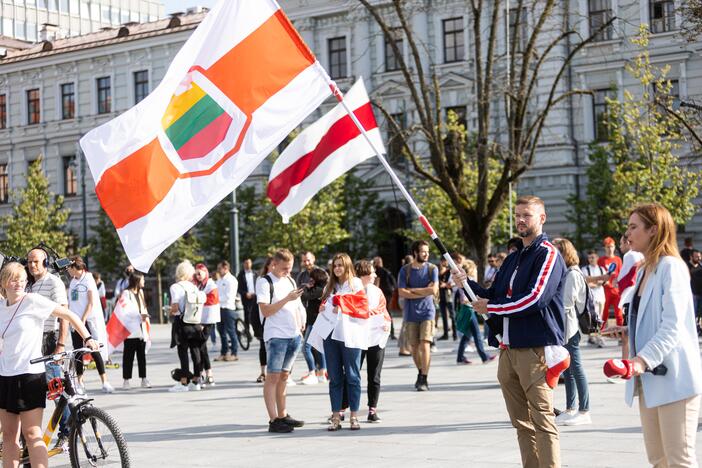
(454, 45)
(395, 145)
(104, 95)
(33, 107)
(600, 113)
(662, 14)
(70, 182)
(3, 111)
(599, 12)
(141, 85)
(4, 184)
(673, 92)
(68, 101)
(392, 61)
(337, 57)
(523, 29)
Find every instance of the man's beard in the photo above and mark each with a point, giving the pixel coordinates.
(420, 260)
(527, 233)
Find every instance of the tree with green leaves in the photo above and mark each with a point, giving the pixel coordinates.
(37, 215)
(639, 163)
(106, 249)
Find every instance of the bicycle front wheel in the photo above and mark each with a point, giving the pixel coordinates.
(96, 440)
(243, 334)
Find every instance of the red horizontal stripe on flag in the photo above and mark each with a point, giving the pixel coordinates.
(339, 134)
(116, 331)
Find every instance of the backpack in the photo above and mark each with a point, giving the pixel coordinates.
(589, 320)
(194, 304)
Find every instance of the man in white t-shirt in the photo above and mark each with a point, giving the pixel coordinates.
(51, 287)
(625, 282)
(283, 317)
(227, 286)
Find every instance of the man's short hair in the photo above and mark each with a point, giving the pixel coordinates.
(223, 264)
(592, 252)
(416, 245)
(363, 267)
(531, 200)
(491, 255)
(515, 242)
(283, 255)
(688, 241)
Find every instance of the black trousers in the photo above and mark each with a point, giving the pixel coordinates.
(262, 356)
(134, 346)
(374, 358)
(97, 357)
(194, 355)
(204, 355)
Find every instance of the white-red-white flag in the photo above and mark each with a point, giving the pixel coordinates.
(323, 152)
(125, 320)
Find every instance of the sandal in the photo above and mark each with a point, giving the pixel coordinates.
(261, 378)
(354, 424)
(334, 424)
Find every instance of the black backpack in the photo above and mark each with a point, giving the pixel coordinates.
(589, 320)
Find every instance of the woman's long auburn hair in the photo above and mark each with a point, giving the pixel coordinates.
(664, 242)
(349, 272)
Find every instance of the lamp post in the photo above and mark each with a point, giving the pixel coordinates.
(234, 235)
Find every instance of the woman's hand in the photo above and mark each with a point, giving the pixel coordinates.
(638, 366)
(92, 344)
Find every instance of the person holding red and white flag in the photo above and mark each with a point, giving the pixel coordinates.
(323, 152)
(240, 84)
(129, 328)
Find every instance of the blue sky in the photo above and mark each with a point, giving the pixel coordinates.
(182, 5)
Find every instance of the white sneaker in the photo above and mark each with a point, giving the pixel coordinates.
(194, 387)
(107, 388)
(179, 387)
(470, 348)
(145, 383)
(565, 416)
(126, 385)
(322, 379)
(578, 419)
(290, 382)
(615, 381)
(309, 379)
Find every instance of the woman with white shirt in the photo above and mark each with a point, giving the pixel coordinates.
(343, 364)
(135, 344)
(574, 297)
(84, 301)
(23, 385)
(663, 340)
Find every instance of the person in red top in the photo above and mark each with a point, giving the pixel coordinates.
(611, 291)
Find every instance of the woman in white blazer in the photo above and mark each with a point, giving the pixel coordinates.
(662, 335)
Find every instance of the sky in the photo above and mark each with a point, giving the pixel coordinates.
(181, 5)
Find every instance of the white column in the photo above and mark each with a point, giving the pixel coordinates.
(620, 85)
(584, 18)
(588, 116)
(682, 80)
(643, 9)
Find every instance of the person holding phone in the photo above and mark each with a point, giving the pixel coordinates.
(662, 333)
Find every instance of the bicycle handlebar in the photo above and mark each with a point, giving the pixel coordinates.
(62, 355)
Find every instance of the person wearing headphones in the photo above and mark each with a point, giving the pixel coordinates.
(50, 286)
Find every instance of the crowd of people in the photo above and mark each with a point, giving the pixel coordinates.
(528, 302)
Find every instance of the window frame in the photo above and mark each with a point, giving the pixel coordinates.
(338, 70)
(605, 93)
(604, 14)
(104, 103)
(136, 83)
(665, 23)
(33, 106)
(4, 183)
(70, 178)
(458, 50)
(392, 63)
(3, 111)
(70, 112)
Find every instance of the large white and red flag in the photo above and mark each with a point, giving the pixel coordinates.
(240, 84)
(346, 318)
(323, 152)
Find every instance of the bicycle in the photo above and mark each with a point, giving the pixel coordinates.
(243, 334)
(94, 438)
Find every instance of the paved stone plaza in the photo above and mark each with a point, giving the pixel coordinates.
(462, 421)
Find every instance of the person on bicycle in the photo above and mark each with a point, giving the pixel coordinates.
(23, 385)
(50, 286)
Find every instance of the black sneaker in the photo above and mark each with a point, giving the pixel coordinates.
(292, 422)
(423, 386)
(373, 418)
(279, 426)
(419, 380)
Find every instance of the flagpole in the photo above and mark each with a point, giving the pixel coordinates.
(422, 219)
